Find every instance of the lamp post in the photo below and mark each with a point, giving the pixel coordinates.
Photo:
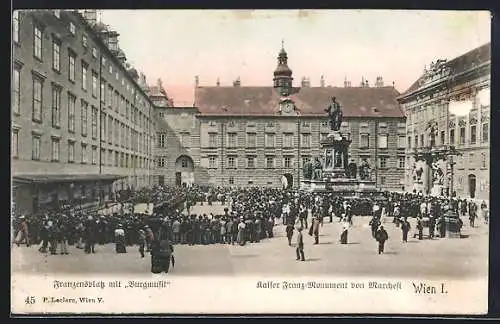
(451, 153)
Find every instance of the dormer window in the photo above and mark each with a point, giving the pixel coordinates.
(57, 13)
(84, 41)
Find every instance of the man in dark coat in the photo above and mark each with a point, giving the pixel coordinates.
(405, 228)
(381, 236)
(90, 235)
(299, 250)
(374, 223)
(161, 252)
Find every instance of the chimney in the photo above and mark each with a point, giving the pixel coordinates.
(393, 84)
(322, 81)
(90, 16)
(347, 83)
(218, 82)
(367, 84)
(380, 82)
(197, 81)
(237, 82)
(362, 82)
(305, 83)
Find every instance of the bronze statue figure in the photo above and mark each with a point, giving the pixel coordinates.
(317, 169)
(335, 114)
(364, 170)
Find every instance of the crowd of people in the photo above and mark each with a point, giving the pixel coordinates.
(249, 217)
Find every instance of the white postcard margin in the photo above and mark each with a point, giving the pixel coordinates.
(172, 294)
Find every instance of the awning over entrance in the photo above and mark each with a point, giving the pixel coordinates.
(50, 178)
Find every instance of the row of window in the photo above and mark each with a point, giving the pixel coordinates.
(119, 134)
(270, 162)
(324, 123)
(114, 158)
(127, 134)
(419, 140)
(288, 139)
(470, 161)
(125, 109)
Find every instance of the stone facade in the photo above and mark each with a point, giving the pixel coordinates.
(465, 79)
(262, 136)
(223, 154)
(77, 108)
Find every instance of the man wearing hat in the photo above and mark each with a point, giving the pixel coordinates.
(381, 236)
(299, 249)
(90, 235)
(405, 228)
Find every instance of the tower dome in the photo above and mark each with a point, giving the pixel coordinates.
(283, 74)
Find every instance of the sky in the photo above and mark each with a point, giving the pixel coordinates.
(177, 45)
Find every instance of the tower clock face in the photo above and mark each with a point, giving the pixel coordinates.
(288, 107)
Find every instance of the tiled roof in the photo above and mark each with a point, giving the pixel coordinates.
(460, 64)
(355, 101)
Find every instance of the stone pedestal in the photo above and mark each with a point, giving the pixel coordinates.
(453, 224)
(334, 175)
(335, 148)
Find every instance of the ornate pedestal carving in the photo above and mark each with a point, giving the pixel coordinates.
(333, 174)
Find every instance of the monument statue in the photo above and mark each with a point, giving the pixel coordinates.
(437, 174)
(417, 173)
(364, 170)
(335, 114)
(317, 169)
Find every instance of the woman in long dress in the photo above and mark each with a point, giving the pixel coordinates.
(120, 239)
(345, 228)
(241, 232)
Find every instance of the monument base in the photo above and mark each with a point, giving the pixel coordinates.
(437, 190)
(342, 187)
(453, 225)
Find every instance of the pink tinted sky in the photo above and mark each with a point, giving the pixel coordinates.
(176, 45)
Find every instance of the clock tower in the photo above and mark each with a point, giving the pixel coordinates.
(283, 74)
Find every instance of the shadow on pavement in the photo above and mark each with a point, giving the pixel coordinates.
(313, 259)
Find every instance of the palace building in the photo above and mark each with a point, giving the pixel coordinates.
(448, 127)
(262, 135)
(82, 126)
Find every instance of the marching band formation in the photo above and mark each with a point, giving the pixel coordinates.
(250, 216)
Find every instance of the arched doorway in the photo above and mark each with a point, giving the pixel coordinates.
(184, 171)
(472, 186)
(287, 181)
